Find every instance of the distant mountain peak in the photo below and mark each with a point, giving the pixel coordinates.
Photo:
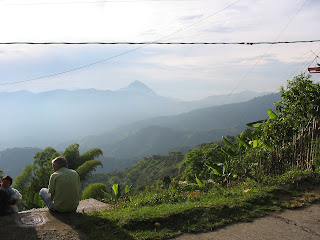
(138, 87)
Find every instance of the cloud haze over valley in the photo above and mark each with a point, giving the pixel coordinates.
(135, 99)
(52, 117)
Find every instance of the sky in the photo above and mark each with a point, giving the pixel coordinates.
(186, 72)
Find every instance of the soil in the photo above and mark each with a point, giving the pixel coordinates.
(298, 223)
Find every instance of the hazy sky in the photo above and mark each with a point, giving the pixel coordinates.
(181, 71)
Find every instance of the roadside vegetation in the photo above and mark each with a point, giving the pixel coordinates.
(274, 164)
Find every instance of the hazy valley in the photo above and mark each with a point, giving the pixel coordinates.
(127, 124)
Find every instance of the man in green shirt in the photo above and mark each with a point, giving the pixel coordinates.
(62, 194)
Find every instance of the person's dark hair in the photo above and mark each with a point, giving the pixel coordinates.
(7, 178)
(60, 162)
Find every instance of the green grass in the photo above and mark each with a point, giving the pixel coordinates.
(168, 213)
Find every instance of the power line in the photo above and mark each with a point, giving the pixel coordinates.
(93, 2)
(242, 80)
(157, 43)
(115, 56)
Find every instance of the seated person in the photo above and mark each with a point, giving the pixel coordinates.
(4, 201)
(62, 194)
(13, 195)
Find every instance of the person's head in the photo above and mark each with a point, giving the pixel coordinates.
(58, 163)
(6, 181)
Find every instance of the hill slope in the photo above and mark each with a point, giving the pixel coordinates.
(12, 161)
(47, 118)
(162, 134)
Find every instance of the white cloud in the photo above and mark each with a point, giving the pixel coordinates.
(170, 70)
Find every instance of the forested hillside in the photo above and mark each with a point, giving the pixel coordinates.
(13, 160)
(145, 172)
(180, 133)
(49, 118)
(164, 134)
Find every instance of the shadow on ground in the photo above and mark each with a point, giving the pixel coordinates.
(48, 225)
(42, 224)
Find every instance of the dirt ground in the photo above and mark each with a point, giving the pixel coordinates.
(40, 224)
(300, 223)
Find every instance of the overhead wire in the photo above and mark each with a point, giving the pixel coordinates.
(92, 2)
(158, 43)
(218, 108)
(121, 54)
(250, 70)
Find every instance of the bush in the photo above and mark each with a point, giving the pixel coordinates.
(94, 191)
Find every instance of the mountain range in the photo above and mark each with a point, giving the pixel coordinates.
(48, 118)
(128, 124)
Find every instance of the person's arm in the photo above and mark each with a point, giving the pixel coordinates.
(51, 186)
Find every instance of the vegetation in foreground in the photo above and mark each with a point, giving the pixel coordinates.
(168, 213)
(274, 164)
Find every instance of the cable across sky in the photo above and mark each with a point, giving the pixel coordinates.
(155, 43)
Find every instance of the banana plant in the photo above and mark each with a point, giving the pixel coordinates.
(221, 170)
(256, 136)
(116, 192)
(200, 182)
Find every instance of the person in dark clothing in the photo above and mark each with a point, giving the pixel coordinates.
(4, 201)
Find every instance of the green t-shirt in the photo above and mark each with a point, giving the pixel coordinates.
(65, 185)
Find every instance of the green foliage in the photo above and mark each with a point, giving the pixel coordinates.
(199, 181)
(180, 212)
(40, 174)
(116, 195)
(299, 103)
(144, 173)
(94, 191)
(37, 201)
(86, 168)
(196, 159)
(24, 178)
(36, 176)
(72, 154)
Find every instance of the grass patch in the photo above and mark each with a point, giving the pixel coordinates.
(166, 214)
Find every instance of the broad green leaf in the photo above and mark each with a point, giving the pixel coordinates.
(127, 189)
(230, 144)
(271, 114)
(108, 194)
(215, 171)
(243, 143)
(256, 124)
(255, 143)
(228, 153)
(116, 191)
(199, 182)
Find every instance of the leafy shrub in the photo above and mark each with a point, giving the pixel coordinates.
(94, 191)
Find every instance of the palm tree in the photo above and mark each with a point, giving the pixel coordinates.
(36, 176)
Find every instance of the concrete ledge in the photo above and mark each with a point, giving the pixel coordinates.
(85, 206)
(42, 224)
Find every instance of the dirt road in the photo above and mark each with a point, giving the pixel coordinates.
(301, 223)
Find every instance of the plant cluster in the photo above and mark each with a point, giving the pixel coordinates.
(36, 176)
